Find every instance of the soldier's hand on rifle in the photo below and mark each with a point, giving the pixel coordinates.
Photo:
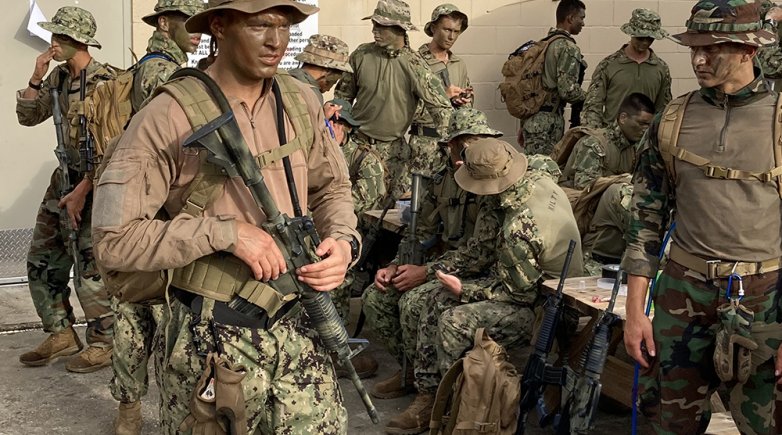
(258, 250)
(408, 277)
(450, 282)
(384, 276)
(73, 202)
(328, 273)
(42, 66)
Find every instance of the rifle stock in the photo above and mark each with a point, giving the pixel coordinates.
(296, 237)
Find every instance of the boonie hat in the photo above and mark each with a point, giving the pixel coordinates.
(199, 23)
(445, 9)
(392, 13)
(721, 21)
(467, 120)
(644, 23)
(326, 51)
(75, 23)
(187, 7)
(490, 166)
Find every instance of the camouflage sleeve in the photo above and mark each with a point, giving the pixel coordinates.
(369, 187)
(32, 112)
(153, 73)
(347, 88)
(430, 90)
(471, 103)
(568, 67)
(649, 208)
(594, 104)
(518, 267)
(587, 162)
(769, 58)
(664, 96)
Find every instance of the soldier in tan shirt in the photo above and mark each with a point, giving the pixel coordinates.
(289, 385)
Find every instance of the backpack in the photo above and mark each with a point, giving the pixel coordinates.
(564, 148)
(480, 391)
(585, 205)
(522, 88)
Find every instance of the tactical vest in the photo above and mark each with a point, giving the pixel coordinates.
(457, 209)
(718, 158)
(221, 275)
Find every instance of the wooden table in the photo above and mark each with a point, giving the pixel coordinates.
(617, 377)
(392, 222)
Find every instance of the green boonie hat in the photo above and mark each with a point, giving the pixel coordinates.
(187, 7)
(199, 23)
(490, 166)
(644, 23)
(721, 21)
(73, 22)
(346, 114)
(326, 51)
(392, 13)
(445, 9)
(467, 120)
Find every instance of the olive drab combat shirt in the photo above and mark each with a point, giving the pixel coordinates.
(155, 71)
(594, 157)
(452, 73)
(729, 220)
(618, 76)
(385, 88)
(32, 112)
(150, 169)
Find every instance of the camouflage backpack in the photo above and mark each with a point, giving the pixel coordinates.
(479, 393)
(522, 88)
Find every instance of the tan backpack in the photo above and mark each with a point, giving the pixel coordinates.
(564, 148)
(585, 205)
(480, 393)
(522, 88)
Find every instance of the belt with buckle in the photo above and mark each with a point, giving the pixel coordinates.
(713, 269)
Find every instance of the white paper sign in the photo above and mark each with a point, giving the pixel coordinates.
(36, 16)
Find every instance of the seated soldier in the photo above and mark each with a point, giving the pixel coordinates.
(609, 151)
(451, 214)
(536, 227)
(604, 242)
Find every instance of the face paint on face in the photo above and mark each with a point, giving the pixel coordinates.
(64, 47)
(445, 32)
(633, 127)
(385, 37)
(716, 64)
(328, 80)
(187, 42)
(641, 44)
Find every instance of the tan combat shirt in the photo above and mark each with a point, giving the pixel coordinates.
(150, 169)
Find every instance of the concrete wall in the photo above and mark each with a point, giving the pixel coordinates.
(27, 158)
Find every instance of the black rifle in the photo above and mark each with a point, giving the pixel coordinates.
(371, 237)
(538, 373)
(65, 183)
(411, 251)
(296, 237)
(579, 416)
(86, 143)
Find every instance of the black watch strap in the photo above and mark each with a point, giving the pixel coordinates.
(355, 249)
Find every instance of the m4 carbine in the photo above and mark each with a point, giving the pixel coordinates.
(86, 143)
(296, 237)
(411, 251)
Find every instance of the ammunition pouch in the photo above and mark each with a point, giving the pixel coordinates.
(203, 418)
(734, 344)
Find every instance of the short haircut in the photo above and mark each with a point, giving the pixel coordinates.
(565, 8)
(636, 103)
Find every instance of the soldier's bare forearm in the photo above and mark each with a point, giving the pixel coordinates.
(636, 295)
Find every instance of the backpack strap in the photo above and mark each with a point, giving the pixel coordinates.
(444, 393)
(669, 128)
(296, 108)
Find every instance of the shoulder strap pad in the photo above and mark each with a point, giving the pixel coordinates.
(669, 128)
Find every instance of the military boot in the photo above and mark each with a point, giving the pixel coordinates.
(365, 366)
(128, 421)
(62, 343)
(414, 419)
(92, 359)
(391, 388)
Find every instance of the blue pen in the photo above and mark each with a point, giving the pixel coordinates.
(330, 129)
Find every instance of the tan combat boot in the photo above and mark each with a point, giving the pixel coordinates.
(58, 344)
(128, 421)
(391, 388)
(365, 366)
(414, 419)
(92, 359)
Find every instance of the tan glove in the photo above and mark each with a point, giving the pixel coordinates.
(203, 418)
(230, 396)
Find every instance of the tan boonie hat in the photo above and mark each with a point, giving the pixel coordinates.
(199, 23)
(644, 23)
(187, 7)
(75, 23)
(721, 21)
(490, 166)
(392, 13)
(445, 9)
(467, 120)
(326, 51)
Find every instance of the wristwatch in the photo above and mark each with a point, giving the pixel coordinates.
(355, 250)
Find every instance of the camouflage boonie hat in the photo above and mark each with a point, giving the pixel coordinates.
(490, 166)
(326, 51)
(644, 23)
(467, 120)
(199, 23)
(720, 21)
(187, 7)
(346, 113)
(392, 13)
(75, 23)
(445, 9)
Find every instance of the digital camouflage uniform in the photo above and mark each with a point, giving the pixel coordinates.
(135, 324)
(562, 77)
(594, 157)
(426, 157)
(769, 57)
(325, 51)
(744, 227)
(49, 259)
(385, 87)
(618, 76)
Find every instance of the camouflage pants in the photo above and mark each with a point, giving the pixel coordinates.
(425, 155)
(134, 333)
(676, 390)
(607, 228)
(542, 131)
(290, 386)
(49, 263)
(396, 155)
(446, 330)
